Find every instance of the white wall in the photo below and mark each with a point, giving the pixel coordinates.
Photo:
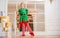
(52, 17)
(3, 6)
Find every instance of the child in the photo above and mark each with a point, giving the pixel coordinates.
(24, 19)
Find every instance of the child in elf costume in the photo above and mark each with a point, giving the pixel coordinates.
(23, 21)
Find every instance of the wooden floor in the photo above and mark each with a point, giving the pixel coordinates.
(30, 37)
(38, 36)
(50, 36)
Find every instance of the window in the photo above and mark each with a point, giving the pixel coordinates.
(38, 22)
(36, 19)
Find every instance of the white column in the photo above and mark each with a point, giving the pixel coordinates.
(52, 17)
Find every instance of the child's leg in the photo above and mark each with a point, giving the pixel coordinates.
(23, 30)
(28, 27)
(20, 24)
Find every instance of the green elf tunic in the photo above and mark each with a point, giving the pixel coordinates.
(23, 14)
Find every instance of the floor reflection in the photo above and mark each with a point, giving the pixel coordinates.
(25, 37)
(37, 36)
